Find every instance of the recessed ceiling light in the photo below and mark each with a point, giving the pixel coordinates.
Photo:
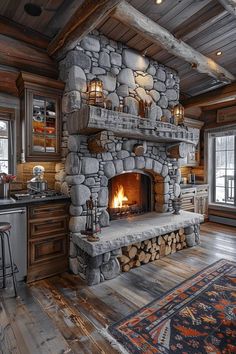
(32, 9)
(218, 53)
(158, 2)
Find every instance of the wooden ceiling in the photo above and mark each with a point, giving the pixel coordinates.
(203, 24)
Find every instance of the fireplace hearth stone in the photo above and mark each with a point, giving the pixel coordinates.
(100, 258)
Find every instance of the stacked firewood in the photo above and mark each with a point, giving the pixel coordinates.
(149, 250)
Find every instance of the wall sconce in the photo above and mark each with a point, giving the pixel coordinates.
(95, 93)
(178, 113)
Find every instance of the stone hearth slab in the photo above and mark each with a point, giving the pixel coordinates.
(135, 229)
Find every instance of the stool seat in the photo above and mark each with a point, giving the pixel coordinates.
(4, 226)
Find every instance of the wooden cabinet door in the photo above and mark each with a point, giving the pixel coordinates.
(47, 249)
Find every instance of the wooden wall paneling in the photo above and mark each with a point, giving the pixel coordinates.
(15, 30)
(8, 82)
(25, 57)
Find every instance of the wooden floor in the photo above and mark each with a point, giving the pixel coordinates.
(63, 315)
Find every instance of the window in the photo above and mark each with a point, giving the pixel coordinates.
(224, 168)
(6, 142)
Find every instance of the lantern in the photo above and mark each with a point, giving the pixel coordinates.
(178, 113)
(95, 93)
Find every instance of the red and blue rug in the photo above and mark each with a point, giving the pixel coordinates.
(198, 316)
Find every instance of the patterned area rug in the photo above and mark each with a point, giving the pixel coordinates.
(198, 316)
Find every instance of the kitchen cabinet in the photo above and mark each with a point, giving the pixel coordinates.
(202, 201)
(195, 199)
(47, 239)
(40, 117)
(193, 151)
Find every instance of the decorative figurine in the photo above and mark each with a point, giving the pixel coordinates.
(92, 226)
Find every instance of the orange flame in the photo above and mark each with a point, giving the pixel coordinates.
(119, 197)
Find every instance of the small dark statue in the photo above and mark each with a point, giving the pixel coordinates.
(92, 227)
(176, 203)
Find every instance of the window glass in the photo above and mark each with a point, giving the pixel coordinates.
(4, 146)
(224, 169)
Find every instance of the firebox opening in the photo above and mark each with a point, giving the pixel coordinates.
(129, 194)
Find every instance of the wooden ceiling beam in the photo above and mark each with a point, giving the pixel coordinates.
(229, 5)
(86, 18)
(222, 94)
(128, 15)
(15, 30)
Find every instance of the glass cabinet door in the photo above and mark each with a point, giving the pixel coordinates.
(44, 125)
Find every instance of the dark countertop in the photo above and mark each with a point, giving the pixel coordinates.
(196, 185)
(13, 203)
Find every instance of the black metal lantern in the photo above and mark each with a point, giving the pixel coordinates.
(95, 93)
(178, 113)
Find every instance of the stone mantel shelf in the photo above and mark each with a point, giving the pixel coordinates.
(135, 229)
(91, 119)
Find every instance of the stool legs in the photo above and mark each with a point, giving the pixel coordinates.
(3, 261)
(5, 234)
(11, 263)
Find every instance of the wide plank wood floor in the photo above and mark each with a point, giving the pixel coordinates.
(63, 315)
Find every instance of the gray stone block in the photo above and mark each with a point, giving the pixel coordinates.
(104, 60)
(145, 81)
(111, 269)
(106, 257)
(104, 219)
(72, 164)
(113, 97)
(132, 104)
(73, 265)
(90, 43)
(155, 95)
(116, 59)
(71, 101)
(109, 82)
(95, 262)
(93, 276)
(77, 179)
(77, 223)
(77, 57)
(159, 86)
(103, 197)
(139, 162)
(72, 250)
(119, 167)
(104, 181)
(109, 169)
(73, 143)
(126, 77)
(76, 80)
(164, 171)
(134, 60)
(190, 240)
(122, 154)
(90, 165)
(75, 210)
(129, 163)
(157, 167)
(160, 74)
(79, 194)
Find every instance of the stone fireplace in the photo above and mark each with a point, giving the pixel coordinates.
(129, 164)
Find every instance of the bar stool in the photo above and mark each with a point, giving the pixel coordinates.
(7, 270)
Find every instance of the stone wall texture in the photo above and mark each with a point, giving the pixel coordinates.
(127, 77)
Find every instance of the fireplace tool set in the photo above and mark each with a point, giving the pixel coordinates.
(92, 226)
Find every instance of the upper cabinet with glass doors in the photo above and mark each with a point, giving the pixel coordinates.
(40, 117)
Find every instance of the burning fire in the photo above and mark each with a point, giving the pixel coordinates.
(119, 197)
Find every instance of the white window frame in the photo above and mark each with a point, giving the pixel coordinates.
(209, 161)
